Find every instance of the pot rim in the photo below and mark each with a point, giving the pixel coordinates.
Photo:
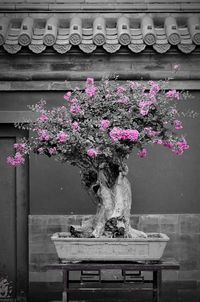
(58, 237)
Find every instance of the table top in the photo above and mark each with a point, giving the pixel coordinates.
(126, 265)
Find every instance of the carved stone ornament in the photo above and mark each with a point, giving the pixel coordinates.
(174, 39)
(149, 39)
(161, 48)
(111, 48)
(2, 40)
(136, 48)
(99, 39)
(37, 48)
(6, 288)
(75, 39)
(12, 49)
(87, 48)
(62, 48)
(24, 39)
(196, 38)
(49, 39)
(186, 48)
(124, 39)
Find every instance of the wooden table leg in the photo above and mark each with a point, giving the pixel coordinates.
(65, 285)
(157, 282)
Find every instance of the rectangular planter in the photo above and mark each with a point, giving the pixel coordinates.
(88, 249)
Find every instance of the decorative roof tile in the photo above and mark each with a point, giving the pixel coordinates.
(62, 34)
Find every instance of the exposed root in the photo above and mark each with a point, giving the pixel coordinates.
(113, 213)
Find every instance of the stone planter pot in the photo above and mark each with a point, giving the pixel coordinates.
(106, 249)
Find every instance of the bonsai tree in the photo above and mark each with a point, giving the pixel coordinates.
(96, 129)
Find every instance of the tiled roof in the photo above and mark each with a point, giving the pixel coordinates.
(62, 34)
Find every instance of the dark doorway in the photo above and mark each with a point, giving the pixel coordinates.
(13, 216)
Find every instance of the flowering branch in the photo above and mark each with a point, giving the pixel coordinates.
(104, 123)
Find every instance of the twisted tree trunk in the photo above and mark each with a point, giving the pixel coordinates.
(113, 214)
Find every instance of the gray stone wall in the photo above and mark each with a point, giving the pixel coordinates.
(184, 244)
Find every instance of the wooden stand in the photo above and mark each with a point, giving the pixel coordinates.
(132, 278)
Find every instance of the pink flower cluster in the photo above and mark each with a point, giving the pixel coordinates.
(53, 151)
(120, 90)
(62, 137)
(104, 124)
(43, 118)
(91, 89)
(20, 147)
(150, 132)
(173, 94)
(76, 126)
(178, 125)
(75, 109)
(92, 153)
(181, 146)
(117, 134)
(123, 100)
(67, 96)
(142, 153)
(89, 81)
(154, 88)
(144, 107)
(16, 160)
(134, 85)
(43, 135)
(178, 147)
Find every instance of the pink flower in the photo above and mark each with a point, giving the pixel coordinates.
(74, 109)
(43, 135)
(130, 134)
(91, 91)
(123, 100)
(53, 151)
(17, 160)
(158, 142)
(142, 153)
(123, 134)
(115, 134)
(168, 144)
(180, 147)
(75, 126)
(144, 107)
(120, 89)
(150, 132)
(67, 95)
(155, 87)
(62, 137)
(173, 94)
(174, 111)
(133, 85)
(73, 101)
(20, 147)
(104, 124)
(92, 153)
(178, 125)
(43, 118)
(40, 150)
(89, 81)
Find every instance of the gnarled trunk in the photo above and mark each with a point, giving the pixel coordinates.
(113, 212)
